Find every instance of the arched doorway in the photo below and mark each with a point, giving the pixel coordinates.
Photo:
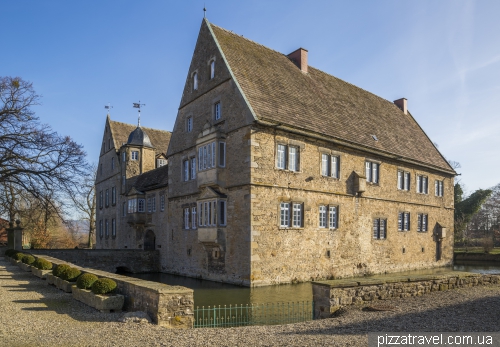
(149, 241)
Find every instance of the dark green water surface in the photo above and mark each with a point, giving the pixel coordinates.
(208, 293)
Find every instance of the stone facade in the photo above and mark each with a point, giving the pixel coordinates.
(239, 211)
(329, 296)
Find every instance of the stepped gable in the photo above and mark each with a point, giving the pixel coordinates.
(151, 180)
(121, 132)
(279, 92)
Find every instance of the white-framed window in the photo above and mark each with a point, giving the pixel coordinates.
(193, 168)
(333, 217)
(207, 155)
(212, 69)
(124, 209)
(212, 213)
(322, 216)
(422, 220)
(113, 227)
(141, 205)
(193, 217)
(161, 162)
(217, 110)
(106, 228)
(186, 218)
(185, 166)
(153, 203)
(134, 155)
(112, 163)
(150, 205)
(287, 157)
(422, 184)
(330, 165)
(222, 154)
(189, 124)
(379, 228)
(195, 81)
(438, 188)
(403, 221)
(284, 214)
(101, 231)
(162, 202)
(372, 171)
(132, 206)
(113, 195)
(291, 214)
(100, 199)
(107, 197)
(403, 180)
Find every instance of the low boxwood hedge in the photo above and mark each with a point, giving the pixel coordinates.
(18, 256)
(103, 286)
(10, 252)
(59, 269)
(86, 281)
(70, 274)
(42, 264)
(28, 259)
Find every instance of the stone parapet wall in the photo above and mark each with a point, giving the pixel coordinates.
(130, 260)
(329, 296)
(168, 306)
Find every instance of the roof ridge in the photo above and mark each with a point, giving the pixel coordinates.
(247, 39)
(133, 125)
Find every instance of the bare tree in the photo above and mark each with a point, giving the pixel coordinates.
(33, 158)
(84, 200)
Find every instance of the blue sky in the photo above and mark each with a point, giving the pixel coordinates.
(443, 56)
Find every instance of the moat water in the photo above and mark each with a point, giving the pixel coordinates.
(208, 293)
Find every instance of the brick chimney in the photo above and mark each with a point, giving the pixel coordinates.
(299, 58)
(402, 104)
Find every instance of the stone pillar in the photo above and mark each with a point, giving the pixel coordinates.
(15, 236)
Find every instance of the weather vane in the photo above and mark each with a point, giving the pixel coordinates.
(204, 11)
(108, 107)
(138, 105)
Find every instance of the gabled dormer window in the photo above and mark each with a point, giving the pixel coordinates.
(161, 162)
(195, 81)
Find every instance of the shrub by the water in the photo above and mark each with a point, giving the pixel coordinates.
(18, 256)
(103, 286)
(71, 274)
(10, 252)
(59, 269)
(28, 259)
(42, 264)
(86, 281)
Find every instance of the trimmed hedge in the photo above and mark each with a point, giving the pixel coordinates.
(59, 269)
(86, 281)
(42, 264)
(18, 256)
(71, 274)
(103, 286)
(28, 259)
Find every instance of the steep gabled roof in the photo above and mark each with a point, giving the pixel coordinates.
(121, 131)
(153, 179)
(277, 91)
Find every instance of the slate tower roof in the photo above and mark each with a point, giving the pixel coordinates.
(139, 137)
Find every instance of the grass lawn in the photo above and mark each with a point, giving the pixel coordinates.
(479, 250)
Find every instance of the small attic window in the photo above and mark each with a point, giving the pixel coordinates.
(212, 69)
(195, 81)
(375, 137)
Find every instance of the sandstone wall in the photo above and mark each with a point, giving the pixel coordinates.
(329, 296)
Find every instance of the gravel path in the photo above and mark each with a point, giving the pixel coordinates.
(34, 314)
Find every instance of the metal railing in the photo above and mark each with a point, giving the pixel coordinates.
(253, 314)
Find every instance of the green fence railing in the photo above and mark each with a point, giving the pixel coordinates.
(253, 314)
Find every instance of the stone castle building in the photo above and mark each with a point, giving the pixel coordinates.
(277, 172)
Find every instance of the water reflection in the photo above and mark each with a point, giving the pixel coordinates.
(208, 293)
